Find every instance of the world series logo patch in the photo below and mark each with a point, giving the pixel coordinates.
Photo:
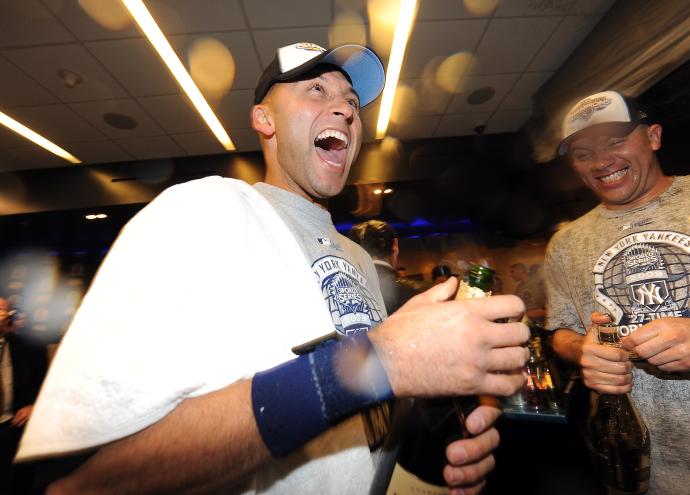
(352, 306)
(643, 277)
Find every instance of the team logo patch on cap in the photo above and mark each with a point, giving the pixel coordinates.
(310, 46)
(587, 108)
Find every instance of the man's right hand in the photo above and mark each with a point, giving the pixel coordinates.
(435, 346)
(606, 369)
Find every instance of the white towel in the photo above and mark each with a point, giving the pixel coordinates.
(204, 286)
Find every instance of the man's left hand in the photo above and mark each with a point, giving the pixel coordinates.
(665, 343)
(22, 416)
(470, 460)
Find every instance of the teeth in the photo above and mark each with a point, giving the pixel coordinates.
(614, 176)
(334, 134)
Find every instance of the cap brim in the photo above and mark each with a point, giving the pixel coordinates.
(614, 129)
(361, 65)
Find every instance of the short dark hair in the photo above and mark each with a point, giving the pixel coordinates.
(441, 271)
(375, 236)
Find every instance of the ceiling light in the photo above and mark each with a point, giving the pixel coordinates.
(378, 191)
(154, 34)
(24, 131)
(387, 191)
(96, 216)
(403, 28)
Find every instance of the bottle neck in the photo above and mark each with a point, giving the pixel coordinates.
(480, 277)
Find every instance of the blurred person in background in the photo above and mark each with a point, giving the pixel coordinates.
(380, 240)
(627, 261)
(440, 273)
(23, 365)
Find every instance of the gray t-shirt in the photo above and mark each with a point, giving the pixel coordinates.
(343, 270)
(634, 265)
(350, 287)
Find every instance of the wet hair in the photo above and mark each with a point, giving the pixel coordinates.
(375, 236)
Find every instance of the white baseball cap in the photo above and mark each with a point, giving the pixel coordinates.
(607, 107)
(360, 65)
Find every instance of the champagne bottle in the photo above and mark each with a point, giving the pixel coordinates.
(414, 454)
(618, 437)
(480, 281)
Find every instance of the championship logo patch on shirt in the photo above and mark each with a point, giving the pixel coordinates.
(352, 305)
(643, 277)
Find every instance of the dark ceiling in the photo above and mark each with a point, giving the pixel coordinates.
(484, 183)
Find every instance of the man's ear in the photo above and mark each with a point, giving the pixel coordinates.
(654, 134)
(262, 121)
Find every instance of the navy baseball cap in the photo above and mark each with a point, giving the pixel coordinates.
(360, 65)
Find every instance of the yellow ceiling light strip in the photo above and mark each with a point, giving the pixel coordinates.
(24, 131)
(408, 11)
(154, 34)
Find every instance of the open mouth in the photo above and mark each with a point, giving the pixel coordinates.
(331, 146)
(608, 179)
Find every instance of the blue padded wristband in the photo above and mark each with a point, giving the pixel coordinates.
(299, 399)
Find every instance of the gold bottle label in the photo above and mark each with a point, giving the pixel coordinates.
(466, 291)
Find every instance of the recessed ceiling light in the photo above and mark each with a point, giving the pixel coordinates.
(387, 191)
(120, 121)
(378, 191)
(481, 95)
(24, 131)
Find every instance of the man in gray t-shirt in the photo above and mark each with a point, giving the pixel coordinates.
(627, 260)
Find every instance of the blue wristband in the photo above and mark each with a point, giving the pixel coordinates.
(299, 399)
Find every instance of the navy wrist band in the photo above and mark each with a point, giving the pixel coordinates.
(299, 399)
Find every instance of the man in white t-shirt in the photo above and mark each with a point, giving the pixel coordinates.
(291, 428)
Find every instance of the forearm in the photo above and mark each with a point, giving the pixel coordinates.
(220, 438)
(206, 442)
(567, 344)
